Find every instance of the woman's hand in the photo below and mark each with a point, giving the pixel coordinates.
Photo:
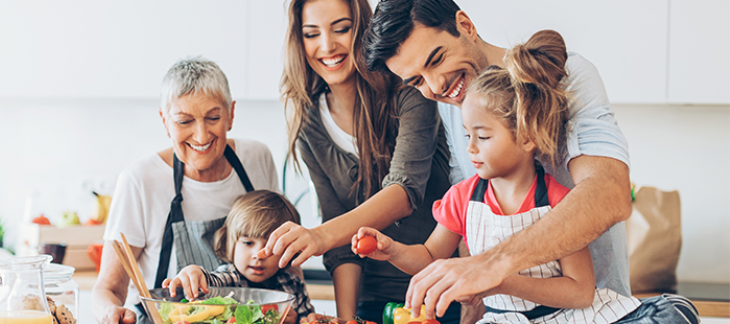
(191, 278)
(108, 295)
(293, 241)
(117, 314)
(384, 244)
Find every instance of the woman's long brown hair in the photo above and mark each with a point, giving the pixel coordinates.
(374, 105)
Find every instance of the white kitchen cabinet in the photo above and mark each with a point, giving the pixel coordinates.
(626, 40)
(113, 49)
(699, 51)
(651, 51)
(267, 24)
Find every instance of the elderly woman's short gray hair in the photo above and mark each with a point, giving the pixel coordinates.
(192, 75)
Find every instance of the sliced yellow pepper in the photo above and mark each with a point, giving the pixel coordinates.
(180, 313)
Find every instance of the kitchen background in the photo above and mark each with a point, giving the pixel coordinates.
(80, 83)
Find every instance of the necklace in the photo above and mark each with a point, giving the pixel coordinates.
(223, 173)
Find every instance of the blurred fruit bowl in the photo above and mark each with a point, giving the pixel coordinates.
(246, 305)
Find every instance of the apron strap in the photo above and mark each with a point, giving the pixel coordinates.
(236, 164)
(541, 196)
(176, 213)
(481, 189)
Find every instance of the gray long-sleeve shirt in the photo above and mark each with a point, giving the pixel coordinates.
(419, 164)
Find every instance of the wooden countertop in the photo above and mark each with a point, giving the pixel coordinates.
(87, 279)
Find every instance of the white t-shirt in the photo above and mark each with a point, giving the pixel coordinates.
(341, 138)
(145, 190)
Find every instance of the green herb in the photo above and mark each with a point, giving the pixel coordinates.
(184, 300)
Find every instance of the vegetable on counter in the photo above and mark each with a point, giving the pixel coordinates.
(394, 313)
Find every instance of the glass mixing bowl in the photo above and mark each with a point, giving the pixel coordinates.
(253, 306)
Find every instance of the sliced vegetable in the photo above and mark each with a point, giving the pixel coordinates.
(194, 313)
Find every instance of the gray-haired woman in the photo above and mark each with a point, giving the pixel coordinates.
(208, 170)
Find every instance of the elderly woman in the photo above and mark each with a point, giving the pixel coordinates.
(165, 231)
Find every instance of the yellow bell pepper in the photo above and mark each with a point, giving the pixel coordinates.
(180, 313)
(403, 315)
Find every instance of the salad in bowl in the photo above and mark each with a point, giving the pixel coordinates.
(221, 305)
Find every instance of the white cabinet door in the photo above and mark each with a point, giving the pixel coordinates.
(625, 39)
(85, 48)
(267, 24)
(699, 51)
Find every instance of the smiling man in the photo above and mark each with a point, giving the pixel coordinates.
(434, 46)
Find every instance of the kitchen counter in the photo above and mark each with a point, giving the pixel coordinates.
(87, 279)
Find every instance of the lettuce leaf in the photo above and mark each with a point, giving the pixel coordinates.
(165, 309)
(219, 301)
(246, 314)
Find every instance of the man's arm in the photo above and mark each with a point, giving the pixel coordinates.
(600, 199)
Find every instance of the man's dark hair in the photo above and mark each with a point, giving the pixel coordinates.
(394, 20)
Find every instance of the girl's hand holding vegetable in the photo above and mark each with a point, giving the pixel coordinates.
(191, 278)
(369, 242)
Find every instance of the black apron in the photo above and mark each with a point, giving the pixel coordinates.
(192, 239)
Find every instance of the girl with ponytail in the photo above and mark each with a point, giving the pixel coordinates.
(511, 116)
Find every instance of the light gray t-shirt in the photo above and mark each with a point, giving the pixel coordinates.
(591, 130)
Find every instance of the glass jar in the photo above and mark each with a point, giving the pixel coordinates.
(22, 299)
(61, 288)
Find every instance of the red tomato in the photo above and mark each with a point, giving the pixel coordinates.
(430, 321)
(231, 320)
(366, 245)
(352, 322)
(265, 308)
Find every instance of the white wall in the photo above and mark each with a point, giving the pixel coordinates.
(687, 148)
(78, 98)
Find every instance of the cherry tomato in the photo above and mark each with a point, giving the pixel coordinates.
(265, 308)
(324, 320)
(231, 320)
(352, 322)
(366, 245)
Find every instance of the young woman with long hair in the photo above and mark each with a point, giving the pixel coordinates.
(375, 151)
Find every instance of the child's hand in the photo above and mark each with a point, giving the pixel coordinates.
(191, 278)
(382, 244)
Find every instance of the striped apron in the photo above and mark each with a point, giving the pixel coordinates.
(484, 230)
